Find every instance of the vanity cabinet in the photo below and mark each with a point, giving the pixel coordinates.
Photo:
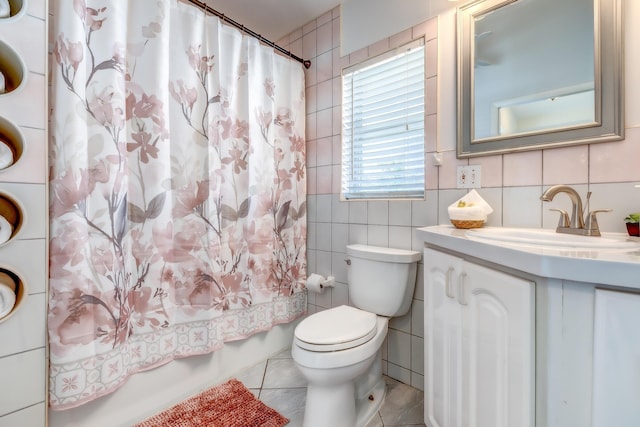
(587, 340)
(588, 353)
(616, 389)
(479, 345)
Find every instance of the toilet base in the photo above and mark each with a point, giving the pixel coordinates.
(338, 407)
(367, 407)
(350, 404)
(340, 383)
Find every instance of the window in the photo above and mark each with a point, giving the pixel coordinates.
(383, 126)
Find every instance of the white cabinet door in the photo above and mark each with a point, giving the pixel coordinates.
(479, 327)
(497, 330)
(443, 341)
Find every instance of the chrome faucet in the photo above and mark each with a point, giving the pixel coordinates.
(577, 224)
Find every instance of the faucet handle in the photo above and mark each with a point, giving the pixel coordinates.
(564, 221)
(592, 222)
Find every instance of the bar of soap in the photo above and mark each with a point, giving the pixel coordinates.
(7, 280)
(6, 155)
(5, 10)
(6, 230)
(7, 294)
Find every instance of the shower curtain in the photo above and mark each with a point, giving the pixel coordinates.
(177, 191)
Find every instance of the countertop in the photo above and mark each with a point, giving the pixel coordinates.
(615, 267)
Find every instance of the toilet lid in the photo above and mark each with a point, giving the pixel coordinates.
(336, 329)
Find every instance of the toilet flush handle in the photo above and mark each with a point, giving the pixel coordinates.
(348, 261)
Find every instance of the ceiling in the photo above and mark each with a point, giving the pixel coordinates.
(273, 19)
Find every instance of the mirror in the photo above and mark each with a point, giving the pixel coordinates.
(538, 73)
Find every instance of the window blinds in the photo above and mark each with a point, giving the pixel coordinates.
(383, 126)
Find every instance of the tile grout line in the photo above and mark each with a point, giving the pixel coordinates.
(264, 374)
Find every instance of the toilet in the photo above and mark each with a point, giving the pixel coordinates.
(338, 351)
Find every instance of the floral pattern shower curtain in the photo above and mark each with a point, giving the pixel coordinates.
(177, 191)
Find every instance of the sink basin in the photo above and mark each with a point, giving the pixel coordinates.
(549, 238)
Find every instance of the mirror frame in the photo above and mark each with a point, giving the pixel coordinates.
(608, 79)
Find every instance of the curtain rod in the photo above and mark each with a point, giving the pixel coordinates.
(207, 8)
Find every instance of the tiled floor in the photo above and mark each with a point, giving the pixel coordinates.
(278, 384)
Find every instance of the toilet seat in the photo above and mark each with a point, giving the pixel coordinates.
(339, 328)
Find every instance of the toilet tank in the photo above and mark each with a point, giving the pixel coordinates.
(381, 280)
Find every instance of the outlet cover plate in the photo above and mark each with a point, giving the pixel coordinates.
(469, 176)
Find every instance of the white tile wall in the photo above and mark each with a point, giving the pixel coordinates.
(33, 26)
(27, 114)
(24, 374)
(24, 331)
(23, 336)
(38, 8)
(30, 416)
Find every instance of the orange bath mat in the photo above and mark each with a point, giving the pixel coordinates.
(227, 405)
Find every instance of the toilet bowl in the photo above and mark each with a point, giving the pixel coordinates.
(345, 384)
(338, 350)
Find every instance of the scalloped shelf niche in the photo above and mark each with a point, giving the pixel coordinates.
(12, 214)
(6, 277)
(13, 141)
(12, 68)
(17, 8)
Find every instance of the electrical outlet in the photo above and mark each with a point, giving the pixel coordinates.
(469, 176)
